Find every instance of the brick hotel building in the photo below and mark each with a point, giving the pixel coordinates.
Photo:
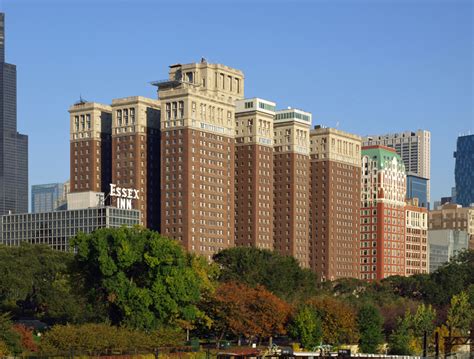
(90, 146)
(198, 155)
(215, 170)
(382, 228)
(291, 184)
(136, 153)
(335, 203)
(254, 173)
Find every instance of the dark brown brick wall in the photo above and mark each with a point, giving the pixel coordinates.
(203, 163)
(91, 158)
(334, 221)
(291, 205)
(254, 196)
(135, 164)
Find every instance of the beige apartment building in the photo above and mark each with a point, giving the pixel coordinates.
(335, 203)
(90, 146)
(198, 155)
(453, 216)
(291, 183)
(254, 173)
(416, 239)
(136, 155)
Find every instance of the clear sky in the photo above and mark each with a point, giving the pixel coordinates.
(370, 66)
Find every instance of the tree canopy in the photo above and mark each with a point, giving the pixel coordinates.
(144, 280)
(280, 274)
(36, 281)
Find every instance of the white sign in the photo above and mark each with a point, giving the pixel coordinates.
(124, 196)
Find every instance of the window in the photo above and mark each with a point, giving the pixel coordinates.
(119, 118)
(181, 109)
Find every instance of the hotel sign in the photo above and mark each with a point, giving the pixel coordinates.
(124, 196)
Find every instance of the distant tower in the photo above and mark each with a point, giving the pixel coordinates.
(464, 170)
(13, 145)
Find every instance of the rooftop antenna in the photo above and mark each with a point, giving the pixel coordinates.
(81, 100)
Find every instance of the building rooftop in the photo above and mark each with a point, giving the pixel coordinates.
(383, 155)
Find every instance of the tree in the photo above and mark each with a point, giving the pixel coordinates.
(460, 314)
(280, 274)
(337, 320)
(37, 281)
(143, 279)
(370, 325)
(306, 327)
(248, 312)
(400, 340)
(424, 320)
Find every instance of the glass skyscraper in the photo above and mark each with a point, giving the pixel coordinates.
(13, 145)
(417, 187)
(44, 197)
(464, 170)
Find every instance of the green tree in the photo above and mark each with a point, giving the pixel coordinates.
(370, 325)
(424, 320)
(399, 342)
(280, 274)
(144, 280)
(460, 314)
(37, 281)
(306, 327)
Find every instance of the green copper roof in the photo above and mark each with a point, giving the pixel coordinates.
(383, 157)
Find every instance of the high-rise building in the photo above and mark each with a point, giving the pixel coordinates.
(417, 187)
(464, 170)
(198, 154)
(254, 173)
(13, 145)
(444, 244)
(416, 238)
(136, 154)
(453, 216)
(291, 183)
(382, 228)
(413, 147)
(90, 146)
(335, 203)
(44, 197)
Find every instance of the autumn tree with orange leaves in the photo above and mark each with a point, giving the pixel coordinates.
(248, 312)
(338, 320)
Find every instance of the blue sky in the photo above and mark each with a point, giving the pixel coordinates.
(371, 66)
